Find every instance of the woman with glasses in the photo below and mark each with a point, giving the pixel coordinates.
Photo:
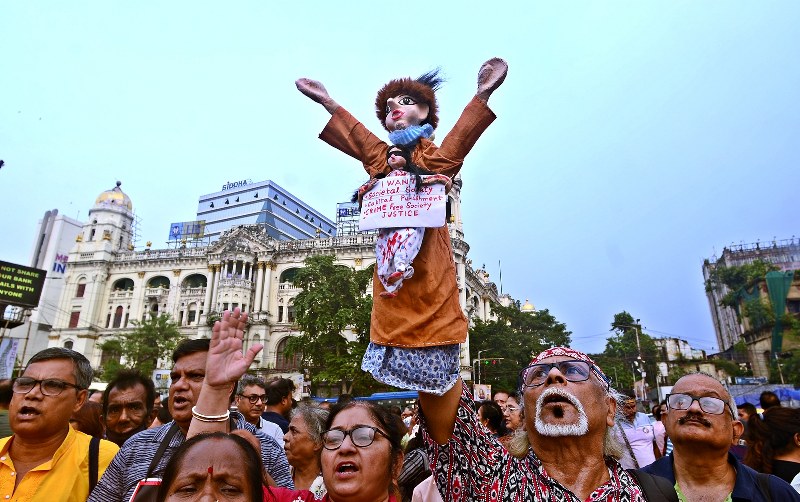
(361, 444)
(512, 413)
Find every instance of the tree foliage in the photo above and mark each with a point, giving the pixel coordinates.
(153, 339)
(737, 277)
(618, 360)
(333, 299)
(511, 341)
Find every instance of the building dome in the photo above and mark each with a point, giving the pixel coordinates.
(528, 307)
(115, 197)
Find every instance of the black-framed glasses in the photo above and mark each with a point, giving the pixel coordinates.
(709, 404)
(361, 436)
(574, 370)
(254, 398)
(49, 386)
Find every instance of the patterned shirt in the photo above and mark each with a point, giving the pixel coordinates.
(473, 466)
(131, 463)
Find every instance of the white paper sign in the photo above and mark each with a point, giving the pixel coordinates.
(394, 203)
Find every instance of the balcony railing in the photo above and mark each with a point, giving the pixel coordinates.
(236, 283)
(201, 291)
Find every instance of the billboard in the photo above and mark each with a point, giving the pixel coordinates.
(20, 286)
(187, 230)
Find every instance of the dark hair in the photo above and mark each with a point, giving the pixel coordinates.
(128, 379)
(248, 380)
(5, 393)
(164, 416)
(388, 422)
(493, 413)
(657, 412)
(89, 420)
(769, 399)
(189, 347)
(747, 408)
(278, 389)
(773, 435)
(82, 369)
(250, 458)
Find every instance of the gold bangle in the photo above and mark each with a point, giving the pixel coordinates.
(210, 418)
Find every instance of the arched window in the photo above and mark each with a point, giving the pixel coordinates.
(123, 284)
(81, 289)
(282, 361)
(68, 344)
(158, 281)
(195, 281)
(288, 274)
(117, 317)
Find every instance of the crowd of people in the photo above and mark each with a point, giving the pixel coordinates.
(565, 434)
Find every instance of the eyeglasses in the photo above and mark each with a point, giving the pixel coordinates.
(710, 405)
(573, 370)
(49, 386)
(361, 436)
(511, 409)
(254, 398)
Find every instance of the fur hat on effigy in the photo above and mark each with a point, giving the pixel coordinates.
(423, 89)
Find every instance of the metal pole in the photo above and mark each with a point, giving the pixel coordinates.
(27, 337)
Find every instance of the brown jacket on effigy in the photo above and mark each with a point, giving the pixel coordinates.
(426, 312)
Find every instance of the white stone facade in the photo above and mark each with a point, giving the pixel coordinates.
(107, 285)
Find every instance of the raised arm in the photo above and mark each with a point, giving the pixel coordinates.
(225, 365)
(490, 77)
(317, 93)
(440, 412)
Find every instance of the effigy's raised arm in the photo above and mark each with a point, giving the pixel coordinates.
(490, 77)
(317, 93)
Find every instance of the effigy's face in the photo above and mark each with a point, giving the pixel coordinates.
(403, 111)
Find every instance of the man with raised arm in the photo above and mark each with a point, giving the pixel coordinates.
(566, 451)
(146, 454)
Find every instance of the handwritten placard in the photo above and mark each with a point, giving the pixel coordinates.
(394, 202)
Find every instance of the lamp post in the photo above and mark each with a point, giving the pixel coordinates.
(479, 364)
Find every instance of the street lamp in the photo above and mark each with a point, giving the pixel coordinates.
(639, 361)
(479, 364)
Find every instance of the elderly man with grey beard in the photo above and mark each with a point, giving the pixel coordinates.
(565, 453)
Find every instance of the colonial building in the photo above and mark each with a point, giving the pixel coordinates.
(107, 285)
(727, 325)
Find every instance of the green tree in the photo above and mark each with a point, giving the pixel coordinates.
(333, 299)
(619, 359)
(510, 342)
(153, 339)
(737, 277)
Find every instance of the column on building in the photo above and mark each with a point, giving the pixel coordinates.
(269, 267)
(259, 286)
(462, 281)
(209, 291)
(137, 301)
(218, 274)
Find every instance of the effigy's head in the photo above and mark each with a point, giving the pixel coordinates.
(405, 102)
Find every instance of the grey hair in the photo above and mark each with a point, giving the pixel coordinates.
(248, 380)
(314, 417)
(519, 444)
(731, 399)
(82, 369)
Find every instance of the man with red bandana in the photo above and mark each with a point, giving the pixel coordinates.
(565, 453)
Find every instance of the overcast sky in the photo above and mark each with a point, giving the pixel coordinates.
(633, 139)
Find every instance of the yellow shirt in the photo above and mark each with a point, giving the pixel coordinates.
(64, 478)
